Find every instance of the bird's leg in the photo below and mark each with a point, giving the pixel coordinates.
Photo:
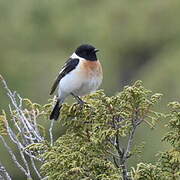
(78, 99)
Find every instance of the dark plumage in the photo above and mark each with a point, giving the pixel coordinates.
(87, 51)
(55, 113)
(68, 67)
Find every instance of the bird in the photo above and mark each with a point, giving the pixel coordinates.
(81, 75)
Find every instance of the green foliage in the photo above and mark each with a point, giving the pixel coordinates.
(3, 130)
(76, 157)
(146, 171)
(99, 137)
(173, 136)
(102, 116)
(85, 151)
(169, 161)
(168, 165)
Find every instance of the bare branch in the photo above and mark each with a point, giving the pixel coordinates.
(129, 145)
(34, 167)
(13, 156)
(3, 173)
(115, 162)
(26, 126)
(124, 154)
(50, 132)
(51, 125)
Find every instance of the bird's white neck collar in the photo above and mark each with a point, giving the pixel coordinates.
(75, 56)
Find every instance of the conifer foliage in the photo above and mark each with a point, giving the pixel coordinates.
(91, 147)
(99, 137)
(168, 165)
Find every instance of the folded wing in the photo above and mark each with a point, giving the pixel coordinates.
(68, 67)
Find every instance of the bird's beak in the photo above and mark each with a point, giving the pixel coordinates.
(96, 50)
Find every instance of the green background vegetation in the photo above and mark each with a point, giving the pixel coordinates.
(137, 40)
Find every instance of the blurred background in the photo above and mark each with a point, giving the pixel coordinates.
(137, 40)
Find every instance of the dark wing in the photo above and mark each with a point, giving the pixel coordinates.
(68, 67)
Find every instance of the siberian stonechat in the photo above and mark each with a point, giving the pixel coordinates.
(81, 75)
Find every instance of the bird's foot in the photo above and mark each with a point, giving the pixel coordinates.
(79, 100)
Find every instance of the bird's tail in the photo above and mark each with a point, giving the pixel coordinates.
(56, 111)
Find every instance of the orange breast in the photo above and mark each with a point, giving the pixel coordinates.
(92, 68)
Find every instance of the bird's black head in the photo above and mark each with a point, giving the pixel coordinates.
(87, 51)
